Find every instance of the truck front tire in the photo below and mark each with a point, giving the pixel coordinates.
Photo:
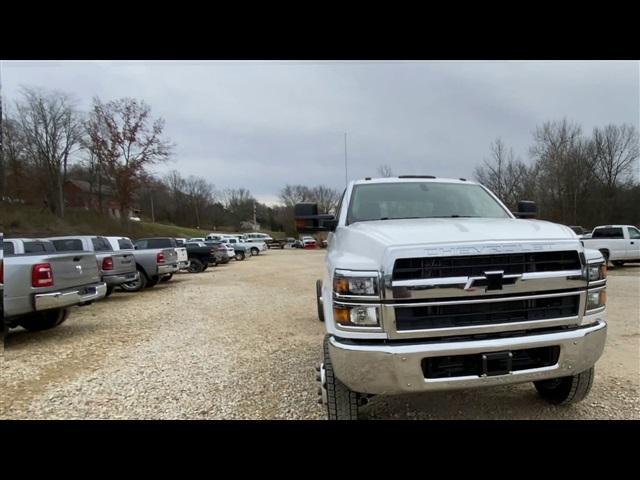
(255, 251)
(342, 403)
(566, 390)
(319, 300)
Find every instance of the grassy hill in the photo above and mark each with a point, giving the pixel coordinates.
(23, 220)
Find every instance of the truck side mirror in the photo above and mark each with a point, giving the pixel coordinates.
(527, 209)
(308, 220)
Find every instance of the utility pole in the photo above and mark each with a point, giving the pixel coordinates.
(255, 227)
(346, 181)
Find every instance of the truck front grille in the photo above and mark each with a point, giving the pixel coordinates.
(485, 313)
(476, 265)
(470, 365)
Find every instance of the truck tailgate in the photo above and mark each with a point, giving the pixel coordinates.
(182, 254)
(73, 269)
(170, 255)
(123, 262)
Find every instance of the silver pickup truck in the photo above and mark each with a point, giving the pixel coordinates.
(40, 284)
(152, 263)
(115, 268)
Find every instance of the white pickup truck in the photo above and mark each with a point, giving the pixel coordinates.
(617, 243)
(433, 284)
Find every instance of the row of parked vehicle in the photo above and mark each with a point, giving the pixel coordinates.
(47, 276)
(617, 243)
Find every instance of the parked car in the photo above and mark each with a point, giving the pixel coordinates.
(617, 243)
(115, 268)
(241, 250)
(45, 283)
(168, 242)
(199, 239)
(308, 242)
(432, 284)
(256, 245)
(151, 263)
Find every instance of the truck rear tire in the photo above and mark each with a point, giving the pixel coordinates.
(195, 266)
(319, 300)
(566, 390)
(618, 263)
(136, 285)
(44, 320)
(342, 403)
(239, 256)
(255, 251)
(153, 281)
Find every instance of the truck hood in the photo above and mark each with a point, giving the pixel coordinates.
(446, 230)
(370, 245)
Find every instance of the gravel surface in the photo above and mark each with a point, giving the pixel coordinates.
(240, 341)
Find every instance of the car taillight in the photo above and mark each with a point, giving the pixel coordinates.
(42, 275)
(160, 258)
(107, 263)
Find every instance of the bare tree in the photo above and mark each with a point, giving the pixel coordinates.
(616, 148)
(292, 194)
(326, 198)
(52, 131)
(127, 141)
(385, 171)
(503, 173)
(200, 194)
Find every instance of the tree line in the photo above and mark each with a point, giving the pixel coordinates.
(575, 178)
(46, 140)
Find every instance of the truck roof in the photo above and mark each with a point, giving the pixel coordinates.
(412, 179)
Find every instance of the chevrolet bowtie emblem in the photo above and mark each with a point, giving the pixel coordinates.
(494, 280)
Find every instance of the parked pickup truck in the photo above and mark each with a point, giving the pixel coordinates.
(198, 254)
(241, 250)
(167, 242)
(151, 263)
(223, 252)
(433, 284)
(115, 268)
(41, 284)
(617, 243)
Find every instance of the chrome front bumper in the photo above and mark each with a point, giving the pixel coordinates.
(391, 369)
(67, 298)
(120, 279)
(165, 269)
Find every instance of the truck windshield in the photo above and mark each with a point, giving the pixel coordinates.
(387, 201)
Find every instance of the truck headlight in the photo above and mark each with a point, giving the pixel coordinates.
(596, 299)
(596, 271)
(355, 283)
(356, 315)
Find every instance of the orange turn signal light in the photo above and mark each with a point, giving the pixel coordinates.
(341, 315)
(603, 272)
(341, 285)
(603, 295)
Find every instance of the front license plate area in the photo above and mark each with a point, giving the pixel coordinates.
(496, 363)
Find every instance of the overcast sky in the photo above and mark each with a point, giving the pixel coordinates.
(260, 125)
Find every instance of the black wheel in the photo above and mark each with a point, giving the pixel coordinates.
(255, 251)
(342, 403)
(618, 263)
(566, 390)
(153, 281)
(282, 246)
(166, 278)
(110, 289)
(605, 254)
(44, 320)
(239, 256)
(195, 266)
(319, 300)
(136, 285)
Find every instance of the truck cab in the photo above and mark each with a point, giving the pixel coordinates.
(433, 284)
(617, 243)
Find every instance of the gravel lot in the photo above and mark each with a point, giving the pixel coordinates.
(240, 341)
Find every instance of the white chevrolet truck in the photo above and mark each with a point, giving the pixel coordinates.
(433, 284)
